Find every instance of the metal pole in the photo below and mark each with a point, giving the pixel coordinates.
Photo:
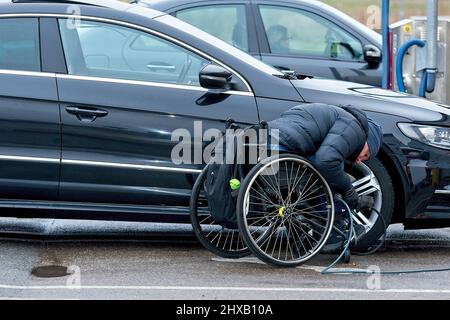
(386, 44)
(432, 45)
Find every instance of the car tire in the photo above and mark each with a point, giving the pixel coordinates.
(386, 210)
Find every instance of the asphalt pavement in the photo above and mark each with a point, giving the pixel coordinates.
(65, 259)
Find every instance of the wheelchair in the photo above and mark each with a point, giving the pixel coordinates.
(285, 213)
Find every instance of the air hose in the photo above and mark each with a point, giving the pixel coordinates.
(399, 67)
(346, 246)
(327, 270)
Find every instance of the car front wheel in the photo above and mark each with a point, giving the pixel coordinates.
(371, 178)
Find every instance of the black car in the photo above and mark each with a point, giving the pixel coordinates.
(305, 36)
(90, 95)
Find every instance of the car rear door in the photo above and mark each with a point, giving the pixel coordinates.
(126, 91)
(30, 140)
(311, 42)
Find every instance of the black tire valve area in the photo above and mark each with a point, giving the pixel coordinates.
(51, 271)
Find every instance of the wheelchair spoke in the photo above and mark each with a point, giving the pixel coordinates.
(291, 234)
(281, 244)
(300, 201)
(265, 197)
(276, 240)
(226, 238)
(288, 199)
(288, 244)
(303, 213)
(253, 224)
(210, 234)
(307, 182)
(283, 210)
(314, 206)
(303, 192)
(315, 223)
(296, 182)
(305, 233)
(270, 185)
(261, 227)
(203, 221)
(269, 238)
(278, 184)
(305, 199)
(299, 237)
(219, 234)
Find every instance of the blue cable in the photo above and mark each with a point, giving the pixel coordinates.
(399, 64)
(386, 44)
(347, 245)
(423, 84)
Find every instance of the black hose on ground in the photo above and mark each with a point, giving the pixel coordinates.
(328, 270)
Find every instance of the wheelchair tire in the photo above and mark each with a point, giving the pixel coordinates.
(285, 210)
(226, 243)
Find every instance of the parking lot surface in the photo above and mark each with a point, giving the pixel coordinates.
(50, 259)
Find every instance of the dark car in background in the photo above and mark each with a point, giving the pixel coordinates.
(305, 36)
(89, 102)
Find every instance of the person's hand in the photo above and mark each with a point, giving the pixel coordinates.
(351, 198)
(365, 203)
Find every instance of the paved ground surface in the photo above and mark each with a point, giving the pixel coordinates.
(156, 261)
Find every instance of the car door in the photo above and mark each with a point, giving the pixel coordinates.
(30, 140)
(126, 92)
(231, 22)
(301, 39)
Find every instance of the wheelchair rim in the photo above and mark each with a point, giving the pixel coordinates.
(302, 229)
(227, 243)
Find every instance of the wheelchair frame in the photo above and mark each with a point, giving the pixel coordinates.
(294, 220)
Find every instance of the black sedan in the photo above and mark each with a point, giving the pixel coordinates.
(305, 36)
(90, 96)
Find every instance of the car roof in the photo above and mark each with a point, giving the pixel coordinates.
(169, 6)
(109, 4)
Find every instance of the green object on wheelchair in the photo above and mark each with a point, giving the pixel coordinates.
(235, 184)
(281, 212)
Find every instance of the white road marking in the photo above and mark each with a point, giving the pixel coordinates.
(240, 260)
(192, 288)
(304, 267)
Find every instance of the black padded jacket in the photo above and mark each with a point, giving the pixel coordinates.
(329, 134)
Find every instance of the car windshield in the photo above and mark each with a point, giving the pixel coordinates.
(176, 23)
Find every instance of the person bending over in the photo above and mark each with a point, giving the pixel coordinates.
(330, 135)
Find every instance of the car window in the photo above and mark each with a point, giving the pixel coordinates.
(111, 51)
(218, 44)
(297, 32)
(226, 22)
(19, 44)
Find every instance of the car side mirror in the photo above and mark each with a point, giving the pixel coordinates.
(372, 54)
(215, 77)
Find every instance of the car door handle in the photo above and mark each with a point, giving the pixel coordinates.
(154, 66)
(283, 68)
(86, 114)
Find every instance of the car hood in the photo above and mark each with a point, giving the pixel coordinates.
(372, 99)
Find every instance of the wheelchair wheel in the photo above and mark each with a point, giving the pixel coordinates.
(285, 210)
(226, 243)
